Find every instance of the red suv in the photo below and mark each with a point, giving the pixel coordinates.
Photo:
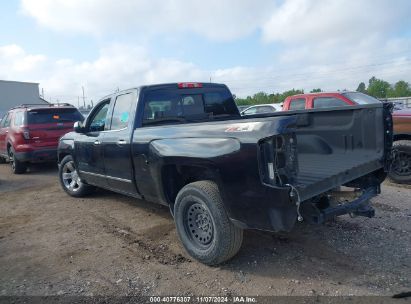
(30, 133)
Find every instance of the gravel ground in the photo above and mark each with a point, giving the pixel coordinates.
(109, 244)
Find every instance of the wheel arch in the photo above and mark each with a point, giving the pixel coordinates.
(65, 147)
(175, 176)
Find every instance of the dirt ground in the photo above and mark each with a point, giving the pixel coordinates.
(109, 244)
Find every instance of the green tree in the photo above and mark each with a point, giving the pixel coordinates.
(400, 89)
(316, 90)
(361, 88)
(261, 97)
(378, 88)
(285, 94)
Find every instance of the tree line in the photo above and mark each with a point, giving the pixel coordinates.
(376, 87)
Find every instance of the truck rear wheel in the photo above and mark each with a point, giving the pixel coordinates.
(401, 167)
(203, 225)
(69, 179)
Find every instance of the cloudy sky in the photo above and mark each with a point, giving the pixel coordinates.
(250, 45)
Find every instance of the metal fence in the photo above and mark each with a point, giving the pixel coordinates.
(399, 102)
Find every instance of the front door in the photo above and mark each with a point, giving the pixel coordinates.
(117, 148)
(89, 146)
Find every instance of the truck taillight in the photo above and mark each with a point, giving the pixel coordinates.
(189, 85)
(278, 160)
(26, 134)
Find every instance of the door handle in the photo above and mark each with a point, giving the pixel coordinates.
(121, 142)
(97, 142)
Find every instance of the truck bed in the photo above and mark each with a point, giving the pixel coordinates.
(318, 174)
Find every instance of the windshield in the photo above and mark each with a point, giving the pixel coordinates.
(44, 116)
(360, 98)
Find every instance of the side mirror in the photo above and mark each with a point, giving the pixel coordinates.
(78, 127)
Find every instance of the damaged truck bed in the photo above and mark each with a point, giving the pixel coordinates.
(186, 146)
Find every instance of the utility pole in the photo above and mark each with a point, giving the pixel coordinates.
(78, 101)
(84, 99)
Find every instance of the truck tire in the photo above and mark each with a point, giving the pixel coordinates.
(401, 167)
(69, 179)
(203, 225)
(17, 167)
(2, 160)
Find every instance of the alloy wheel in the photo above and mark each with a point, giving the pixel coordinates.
(70, 177)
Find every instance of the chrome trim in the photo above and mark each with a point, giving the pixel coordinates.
(106, 176)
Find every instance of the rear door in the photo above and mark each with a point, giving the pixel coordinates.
(116, 144)
(89, 153)
(47, 125)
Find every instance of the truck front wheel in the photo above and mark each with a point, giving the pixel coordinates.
(203, 225)
(69, 179)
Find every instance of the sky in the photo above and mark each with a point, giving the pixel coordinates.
(252, 46)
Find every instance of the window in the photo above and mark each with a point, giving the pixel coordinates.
(297, 104)
(250, 111)
(220, 103)
(121, 112)
(265, 109)
(5, 122)
(18, 119)
(361, 98)
(175, 106)
(328, 102)
(47, 116)
(99, 118)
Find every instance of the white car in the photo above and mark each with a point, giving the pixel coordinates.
(262, 109)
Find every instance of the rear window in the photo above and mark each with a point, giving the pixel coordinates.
(174, 106)
(53, 116)
(361, 98)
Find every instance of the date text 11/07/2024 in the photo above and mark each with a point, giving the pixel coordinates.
(203, 299)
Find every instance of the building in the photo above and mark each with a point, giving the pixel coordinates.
(15, 93)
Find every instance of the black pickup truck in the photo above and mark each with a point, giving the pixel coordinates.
(186, 146)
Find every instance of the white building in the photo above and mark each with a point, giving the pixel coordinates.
(15, 93)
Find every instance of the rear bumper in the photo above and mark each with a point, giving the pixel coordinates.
(42, 155)
(280, 212)
(358, 207)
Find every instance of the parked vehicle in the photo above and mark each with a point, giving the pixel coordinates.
(326, 100)
(261, 109)
(401, 166)
(30, 133)
(187, 147)
(241, 108)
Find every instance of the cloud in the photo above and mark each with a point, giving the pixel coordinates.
(117, 66)
(311, 21)
(288, 21)
(124, 66)
(327, 44)
(214, 19)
